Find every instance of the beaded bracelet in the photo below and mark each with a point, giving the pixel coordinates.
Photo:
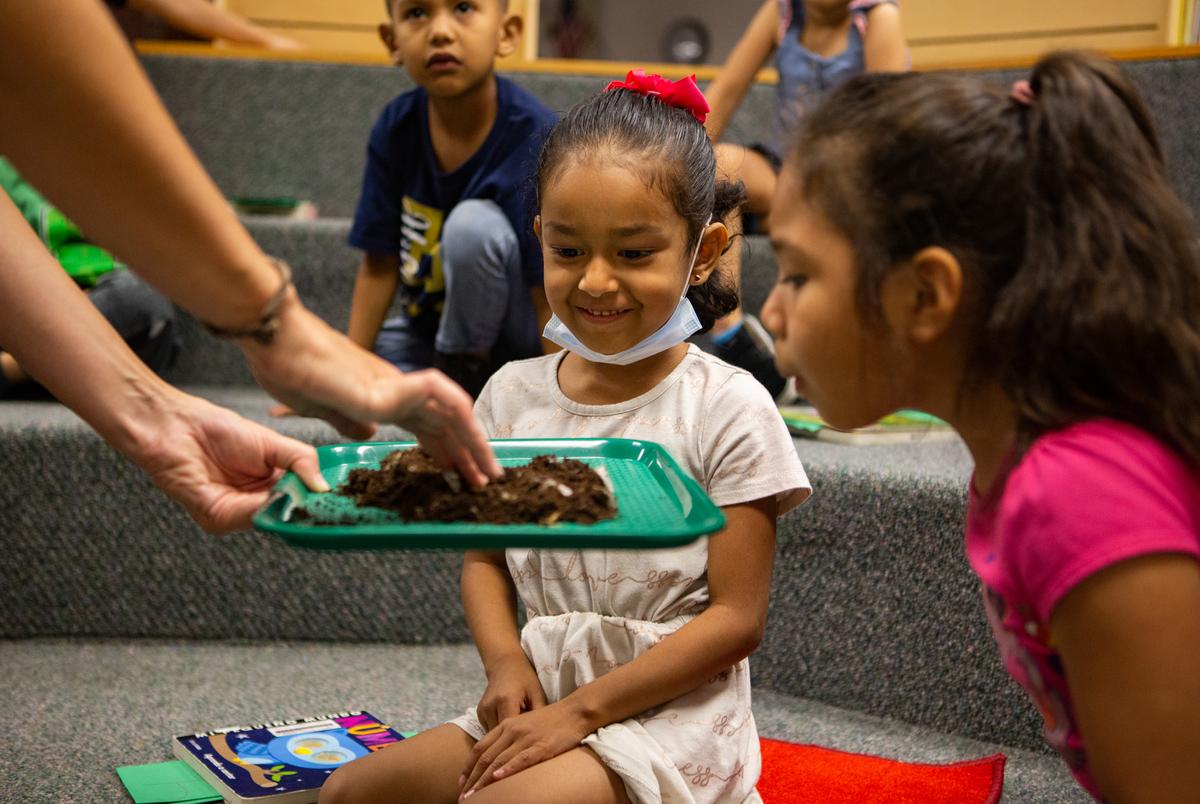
(268, 322)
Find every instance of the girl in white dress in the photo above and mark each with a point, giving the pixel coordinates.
(629, 682)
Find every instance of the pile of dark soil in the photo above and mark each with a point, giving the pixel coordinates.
(545, 491)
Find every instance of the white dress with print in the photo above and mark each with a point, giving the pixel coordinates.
(593, 610)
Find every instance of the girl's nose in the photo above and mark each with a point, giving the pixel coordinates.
(597, 278)
(772, 314)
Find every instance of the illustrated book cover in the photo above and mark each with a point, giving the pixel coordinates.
(282, 762)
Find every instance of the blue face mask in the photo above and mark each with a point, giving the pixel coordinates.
(683, 324)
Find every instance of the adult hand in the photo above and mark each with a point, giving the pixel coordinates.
(280, 42)
(522, 742)
(317, 371)
(513, 687)
(219, 466)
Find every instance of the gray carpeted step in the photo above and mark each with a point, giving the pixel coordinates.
(325, 266)
(873, 605)
(118, 702)
(300, 128)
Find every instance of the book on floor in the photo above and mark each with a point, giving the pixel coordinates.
(902, 426)
(282, 762)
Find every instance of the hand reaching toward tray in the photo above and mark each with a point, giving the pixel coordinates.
(317, 371)
(219, 466)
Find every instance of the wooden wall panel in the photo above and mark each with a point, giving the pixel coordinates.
(940, 30)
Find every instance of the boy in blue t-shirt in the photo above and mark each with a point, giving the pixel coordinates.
(445, 216)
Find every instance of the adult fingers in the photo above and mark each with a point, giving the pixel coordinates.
(301, 459)
(350, 428)
(466, 442)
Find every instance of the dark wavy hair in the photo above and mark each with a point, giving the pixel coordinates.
(1081, 264)
(671, 148)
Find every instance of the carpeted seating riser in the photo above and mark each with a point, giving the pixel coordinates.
(324, 268)
(863, 569)
(268, 128)
(873, 609)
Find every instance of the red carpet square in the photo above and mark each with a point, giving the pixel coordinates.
(800, 773)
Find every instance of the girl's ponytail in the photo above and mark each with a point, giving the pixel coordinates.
(1109, 281)
(1082, 291)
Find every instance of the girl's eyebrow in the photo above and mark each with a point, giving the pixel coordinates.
(794, 249)
(624, 231)
(641, 228)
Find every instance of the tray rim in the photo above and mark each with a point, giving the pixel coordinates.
(704, 519)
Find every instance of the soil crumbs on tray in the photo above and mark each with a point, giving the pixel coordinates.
(544, 491)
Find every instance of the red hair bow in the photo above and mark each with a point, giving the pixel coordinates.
(682, 94)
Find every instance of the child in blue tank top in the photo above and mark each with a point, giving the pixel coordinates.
(817, 44)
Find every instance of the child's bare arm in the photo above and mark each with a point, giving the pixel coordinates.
(489, 599)
(1130, 641)
(378, 276)
(726, 91)
(202, 18)
(884, 48)
(739, 571)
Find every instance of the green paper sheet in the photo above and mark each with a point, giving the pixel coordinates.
(166, 783)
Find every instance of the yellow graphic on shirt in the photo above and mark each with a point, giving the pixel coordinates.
(421, 238)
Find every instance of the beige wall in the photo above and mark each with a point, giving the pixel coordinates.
(963, 30)
(938, 30)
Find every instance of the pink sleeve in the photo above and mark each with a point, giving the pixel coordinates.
(1091, 496)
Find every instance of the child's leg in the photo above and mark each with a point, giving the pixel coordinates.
(142, 316)
(487, 300)
(577, 776)
(423, 768)
(401, 345)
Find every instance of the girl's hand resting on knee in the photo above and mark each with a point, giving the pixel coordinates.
(523, 741)
(513, 688)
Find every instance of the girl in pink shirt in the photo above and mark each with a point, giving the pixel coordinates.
(1019, 265)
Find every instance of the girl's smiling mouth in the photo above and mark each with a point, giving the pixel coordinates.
(599, 315)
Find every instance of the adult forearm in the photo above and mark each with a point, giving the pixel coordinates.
(680, 663)
(79, 118)
(202, 18)
(59, 337)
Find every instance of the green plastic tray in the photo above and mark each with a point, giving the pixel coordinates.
(658, 504)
